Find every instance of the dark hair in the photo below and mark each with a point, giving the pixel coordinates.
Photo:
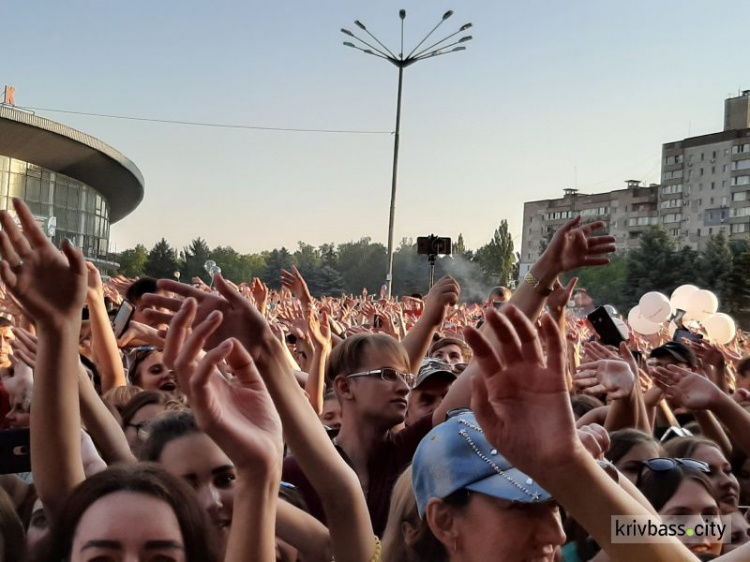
(426, 545)
(164, 430)
(197, 533)
(143, 398)
(625, 439)
(5, 322)
(502, 292)
(347, 357)
(659, 487)
(139, 288)
(138, 359)
(11, 530)
(582, 404)
(96, 377)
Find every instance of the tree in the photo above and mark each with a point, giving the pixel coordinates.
(162, 261)
(736, 294)
(497, 258)
(459, 247)
(194, 258)
(363, 265)
(715, 264)
(275, 262)
(133, 261)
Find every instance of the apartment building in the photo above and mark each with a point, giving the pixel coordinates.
(705, 188)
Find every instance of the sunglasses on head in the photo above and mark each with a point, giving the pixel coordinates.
(659, 465)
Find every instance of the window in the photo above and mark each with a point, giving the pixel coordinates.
(741, 180)
(670, 189)
(674, 232)
(711, 201)
(673, 217)
(703, 157)
(671, 203)
(698, 232)
(740, 148)
(713, 169)
(741, 212)
(701, 171)
(741, 165)
(739, 196)
(713, 155)
(737, 228)
(713, 185)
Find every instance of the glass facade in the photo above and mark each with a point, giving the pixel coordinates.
(82, 214)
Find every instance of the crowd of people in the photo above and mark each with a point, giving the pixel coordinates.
(239, 423)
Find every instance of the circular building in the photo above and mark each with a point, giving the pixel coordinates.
(75, 184)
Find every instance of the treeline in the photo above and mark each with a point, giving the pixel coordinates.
(334, 269)
(723, 266)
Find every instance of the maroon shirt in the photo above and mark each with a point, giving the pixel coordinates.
(385, 466)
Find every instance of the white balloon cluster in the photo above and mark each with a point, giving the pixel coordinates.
(654, 309)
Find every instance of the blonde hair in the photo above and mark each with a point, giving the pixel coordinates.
(403, 510)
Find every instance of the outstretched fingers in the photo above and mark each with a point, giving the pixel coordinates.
(179, 328)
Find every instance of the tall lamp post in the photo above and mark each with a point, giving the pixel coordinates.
(441, 47)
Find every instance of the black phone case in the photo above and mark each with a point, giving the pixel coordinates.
(15, 445)
(602, 322)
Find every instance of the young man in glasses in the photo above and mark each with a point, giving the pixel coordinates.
(371, 378)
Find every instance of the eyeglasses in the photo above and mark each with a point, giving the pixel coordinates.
(388, 375)
(667, 464)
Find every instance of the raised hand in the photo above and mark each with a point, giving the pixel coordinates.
(594, 438)
(296, 284)
(575, 245)
(560, 297)
(260, 295)
(95, 289)
(240, 318)
(49, 285)
(521, 397)
(686, 389)
(239, 415)
(443, 294)
(612, 377)
(319, 332)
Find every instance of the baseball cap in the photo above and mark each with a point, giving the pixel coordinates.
(676, 350)
(455, 456)
(431, 367)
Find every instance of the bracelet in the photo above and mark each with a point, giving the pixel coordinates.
(534, 282)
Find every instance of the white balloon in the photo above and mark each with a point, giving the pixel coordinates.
(702, 305)
(681, 296)
(655, 307)
(641, 325)
(720, 327)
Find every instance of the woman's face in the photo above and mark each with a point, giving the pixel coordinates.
(198, 460)
(724, 482)
(692, 499)
(136, 432)
(154, 375)
(128, 526)
(493, 529)
(631, 464)
(38, 526)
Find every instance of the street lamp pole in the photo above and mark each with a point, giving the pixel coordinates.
(401, 62)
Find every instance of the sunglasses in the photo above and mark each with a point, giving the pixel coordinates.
(388, 375)
(667, 464)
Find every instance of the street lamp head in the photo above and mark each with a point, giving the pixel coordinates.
(360, 25)
(447, 14)
(458, 49)
(465, 39)
(465, 26)
(347, 32)
(348, 44)
(402, 14)
(368, 51)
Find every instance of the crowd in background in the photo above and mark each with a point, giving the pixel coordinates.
(170, 421)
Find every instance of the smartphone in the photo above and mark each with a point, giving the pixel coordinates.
(14, 451)
(378, 321)
(609, 333)
(683, 334)
(122, 318)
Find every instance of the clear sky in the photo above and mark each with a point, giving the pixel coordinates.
(548, 95)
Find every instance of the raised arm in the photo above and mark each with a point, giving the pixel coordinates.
(352, 538)
(520, 398)
(103, 341)
(443, 294)
(51, 286)
(320, 334)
